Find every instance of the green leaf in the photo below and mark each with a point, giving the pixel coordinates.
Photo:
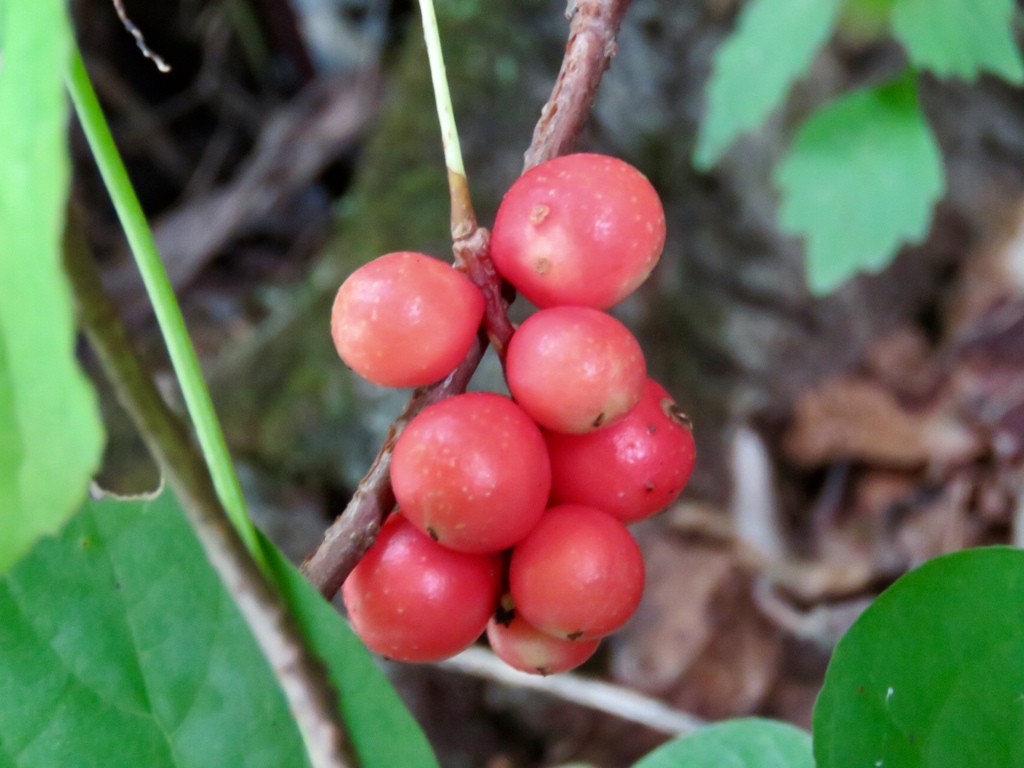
(860, 178)
(119, 648)
(50, 432)
(932, 674)
(959, 38)
(749, 743)
(773, 44)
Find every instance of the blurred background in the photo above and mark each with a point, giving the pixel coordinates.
(841, 440)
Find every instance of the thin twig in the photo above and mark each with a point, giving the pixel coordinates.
(593, 694)
(588, 52)
(312, 701)
(352, 534)
(140, 41)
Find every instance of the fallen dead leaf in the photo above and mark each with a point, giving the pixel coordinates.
(903, 361)
(674, 621)
(739, 666)
(856, 419)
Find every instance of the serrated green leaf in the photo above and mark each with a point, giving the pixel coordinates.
(860, 178)
(959, 38)
(774, 43)
(932, 674)
(50, 432)
(119, 648)
(747, 743)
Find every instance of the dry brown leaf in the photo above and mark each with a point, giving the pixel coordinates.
(674, 621)
(990, 275)
(943, 526)
(878, 492)
(902, 360)
(793, 701)
(738, 668)
(855, 419)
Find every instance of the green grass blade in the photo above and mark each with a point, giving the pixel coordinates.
(165, 305)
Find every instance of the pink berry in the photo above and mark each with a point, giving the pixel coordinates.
(579, 574)
(632, 469)
(574, 369)
(472, 472)
(582, 230)
(411, 599)
(405, 319)
(527, 649)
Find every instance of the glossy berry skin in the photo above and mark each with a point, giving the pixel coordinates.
(575, 369)
(634, 468)
(472, 472)
(581, 230)
(527, 649)
(405, 319)
(410, 599)
(579, 574)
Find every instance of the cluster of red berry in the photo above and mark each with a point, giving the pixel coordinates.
(513, 511)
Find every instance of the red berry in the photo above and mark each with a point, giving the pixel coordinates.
(583, 229)
(405, 319)
(574, 369)
(472, 471)
(632, 469)
(578, 575)
(527, 649)
(411, 599)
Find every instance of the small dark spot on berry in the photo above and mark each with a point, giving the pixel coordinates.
(433, 534)
(117, 586)
(670, 409)
(545, 671)
(860, 689)
(503, 615)
(574, 635)
(599, 420)
(649, 487)
(542, 265)
(651, 428)
(911, 737)
(539, 213)
(86, 543)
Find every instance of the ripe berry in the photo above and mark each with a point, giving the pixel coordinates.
(578, 575)
(574, 369)
(583, 230)
(405, 319)
(472, 472)
(632, 469)
(411, 599)
(527, 649)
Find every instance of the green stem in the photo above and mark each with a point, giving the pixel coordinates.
(165, 305)
(463, 218)
(443, 98)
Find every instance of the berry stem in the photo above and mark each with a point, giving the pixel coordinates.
(471, 242)
(463, 218)
(591, 45)
(354, 532)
